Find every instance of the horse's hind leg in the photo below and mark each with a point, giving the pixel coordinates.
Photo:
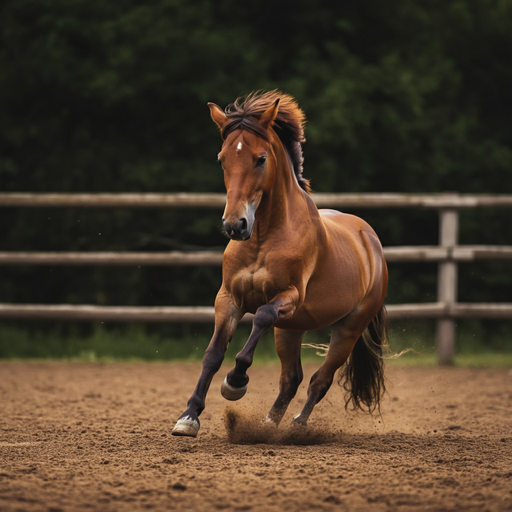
(342, 343)
(288, 345)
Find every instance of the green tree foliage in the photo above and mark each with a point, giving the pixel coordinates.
(111, 96)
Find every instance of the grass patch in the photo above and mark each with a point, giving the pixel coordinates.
(128, 343)
(136, 342)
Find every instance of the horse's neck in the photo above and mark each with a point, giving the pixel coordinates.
(285, 203)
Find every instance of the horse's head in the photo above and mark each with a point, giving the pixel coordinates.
(249, 168)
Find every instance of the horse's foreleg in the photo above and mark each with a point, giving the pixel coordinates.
(227, 317)
(288, 345)
(281, 308)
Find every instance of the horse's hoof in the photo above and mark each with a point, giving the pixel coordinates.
(231, 393)
(297, 423)
(186, 427)
(269, 422)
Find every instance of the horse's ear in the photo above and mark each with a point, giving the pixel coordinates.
(268, 117)
(218, 115)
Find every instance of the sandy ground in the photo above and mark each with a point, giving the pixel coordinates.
(97, 437)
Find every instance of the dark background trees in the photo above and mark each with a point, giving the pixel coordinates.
(111, 96)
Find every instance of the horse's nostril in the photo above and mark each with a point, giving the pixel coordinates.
(243, 224)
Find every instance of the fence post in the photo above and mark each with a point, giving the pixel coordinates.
(447, 285)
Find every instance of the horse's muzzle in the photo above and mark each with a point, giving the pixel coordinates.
(239, 230)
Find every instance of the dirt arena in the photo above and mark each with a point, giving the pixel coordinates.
(97, 437)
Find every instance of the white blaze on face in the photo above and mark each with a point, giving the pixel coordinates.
(250, 212)
(239, 147)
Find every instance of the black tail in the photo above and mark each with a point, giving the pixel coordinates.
(362, 376)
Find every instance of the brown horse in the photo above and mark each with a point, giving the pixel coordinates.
(293, 266)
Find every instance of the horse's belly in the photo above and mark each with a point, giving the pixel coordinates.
(335, 288)
(319, 314)
(325, 303)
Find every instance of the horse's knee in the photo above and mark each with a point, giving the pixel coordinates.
(265, 317)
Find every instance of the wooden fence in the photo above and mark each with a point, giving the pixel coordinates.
(448, 253)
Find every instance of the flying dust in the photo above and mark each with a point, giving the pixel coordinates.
(246, 427)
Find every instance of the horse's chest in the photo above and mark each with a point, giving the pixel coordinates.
(253, 287)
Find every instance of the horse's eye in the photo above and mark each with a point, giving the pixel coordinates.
(261, 161)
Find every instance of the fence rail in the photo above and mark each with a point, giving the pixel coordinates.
(447, 254)
(206, 200)
(204, 314)
(460, 253)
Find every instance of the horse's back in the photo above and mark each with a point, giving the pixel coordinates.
(353, 245)
(345, 227)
